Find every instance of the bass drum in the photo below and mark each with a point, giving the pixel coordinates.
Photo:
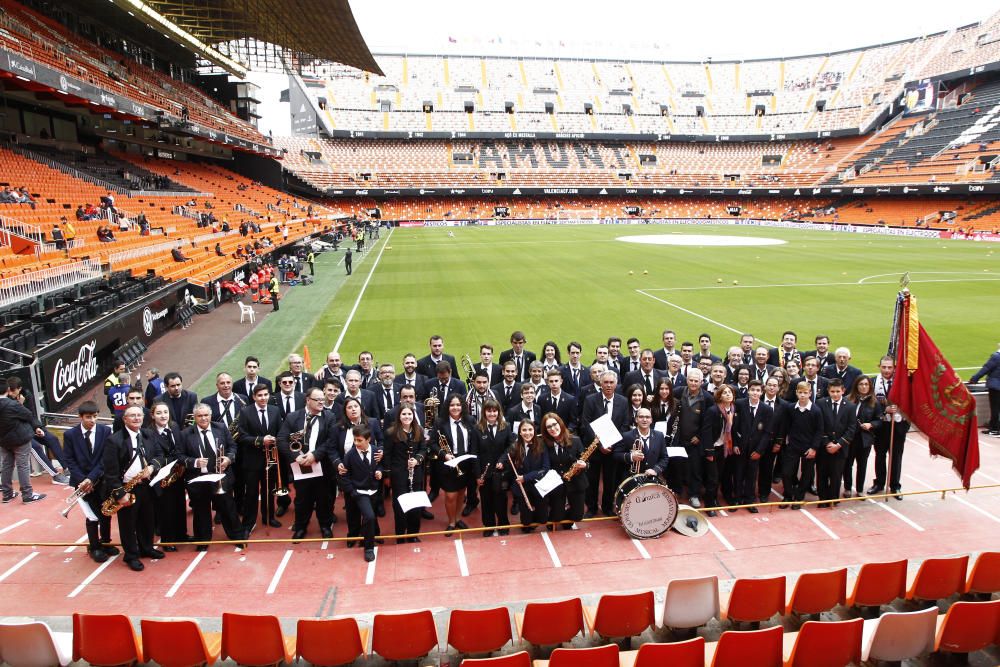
(646, 507)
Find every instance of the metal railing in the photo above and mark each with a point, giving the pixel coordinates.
(66, 169)
(38, 283)
(128, 255)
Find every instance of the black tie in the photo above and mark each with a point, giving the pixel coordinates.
(555, 403)
(836, 406)
(88, 441)
(506, 393)
(493, 432)
(753, 412)
(206, 445)
(443, 390)
(607, 402)
(298, 383)
(288, 404)
(645, 445)
(138, 449)
(812, 389)
(760, 374)
(770, 404)
(306, 439)
(226, 416)
(576, 378)
(459, 439)
(519, 368)
(649, 385)
(263, 418)
(888, 388)
(388, 399)
(364, 457)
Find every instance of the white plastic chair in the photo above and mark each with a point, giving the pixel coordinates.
(34, 644)
(245, 311)
(691, 603)
(897, 636)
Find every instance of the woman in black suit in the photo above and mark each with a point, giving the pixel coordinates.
(869, 421)
(564, 450)
(636, 396)
(171, 512)
(494, 439)
(404, 451)
(526, 463)
(664, 409)
(550, 356)
(720, 417)
(459, 433)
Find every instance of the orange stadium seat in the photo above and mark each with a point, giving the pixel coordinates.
(330, 641)
(179, 643)
(878, 584)
(690, 653)
(816, 592)
(621, 615)
(754, 600)
(751, 648)
(479, 631)
(255, 640)
(104, 640)
(547, 623)
(599, 656)
(824, 644)
(519, 659)
(968, 627)
(404, 636)
(985, 575)
(938, 578)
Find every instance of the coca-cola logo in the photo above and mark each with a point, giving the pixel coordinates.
(67, 378)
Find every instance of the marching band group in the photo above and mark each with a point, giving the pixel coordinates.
(713, 429)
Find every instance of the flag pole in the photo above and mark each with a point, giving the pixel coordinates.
(904, 283)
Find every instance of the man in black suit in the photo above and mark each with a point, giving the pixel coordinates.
(407, 396)
(303, 378)
(589, 387)
(354, 390)
(316, 446)
(131, 453)
(558, 401)
(259, 423)
(842, 369)
(822, 352)
(602, 467)
(369, 376)
(890, 438)
(616, 362)
(674, 375)
(332, 370)
(208, 448)
(647, 376)
(769, 466)
(135, 396)
(761, 370)
(642, 449)
(839, 425)
(746, 348)
(83, 448)
(522, 358)
(631, 362)
(251, 369)
(480, 393)
(817, 383)
(705, 349)
(287, 399)
(385, 391)
(752, 437)
(226, 404)
(687, 358)
(802, 443)
(360, 483)
(575, 374)
(442, 384)
(179, 400)
(525, 409)
(427, 366)
(493, 371)
(779, 356)
(694, 434)
(669, 347)
(410, 376)
(508, 390)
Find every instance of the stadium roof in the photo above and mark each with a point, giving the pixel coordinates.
(246, 29)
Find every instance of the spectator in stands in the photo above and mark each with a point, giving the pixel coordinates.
(105, 235)
(7, 196)
(80, 214)
(143, 224)
(23, 197)
(179, 256)
(58, 238)
(69, 231)
(218, 250)
(108, 202)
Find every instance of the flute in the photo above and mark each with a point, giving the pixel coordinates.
(527, 503)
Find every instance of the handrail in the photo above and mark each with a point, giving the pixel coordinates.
(135, 253)
(37, 283)
(66, 169)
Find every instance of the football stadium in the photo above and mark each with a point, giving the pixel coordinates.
(580, 352)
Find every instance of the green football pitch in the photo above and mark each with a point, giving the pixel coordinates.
(585, 283)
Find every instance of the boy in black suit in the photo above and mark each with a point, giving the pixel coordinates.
(359, 484)
(84, 450)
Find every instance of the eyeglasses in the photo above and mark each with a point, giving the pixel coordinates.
(552, 425)
(644, 417)
(314, 399)
(288, 382)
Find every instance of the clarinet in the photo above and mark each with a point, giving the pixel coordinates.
(409, 455)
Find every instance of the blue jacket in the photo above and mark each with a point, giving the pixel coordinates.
(81, 463)
(991, 369)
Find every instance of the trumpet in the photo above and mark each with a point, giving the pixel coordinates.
(636, 463)
(218, 468)
(446, 450)
(71, 502)
(110, 506)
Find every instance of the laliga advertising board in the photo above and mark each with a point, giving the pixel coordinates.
(73, 365)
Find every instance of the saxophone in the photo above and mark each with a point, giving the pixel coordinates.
(585, 456)
(110, 506)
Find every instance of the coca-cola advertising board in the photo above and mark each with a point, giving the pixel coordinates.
(74, 366)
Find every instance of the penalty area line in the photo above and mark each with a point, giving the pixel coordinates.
(699, 315)
(357, 302)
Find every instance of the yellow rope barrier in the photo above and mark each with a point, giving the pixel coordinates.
(479, 529)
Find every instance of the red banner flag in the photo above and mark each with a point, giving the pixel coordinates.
(928, 391)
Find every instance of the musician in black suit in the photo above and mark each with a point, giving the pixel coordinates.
(302, 378)
(362, 478)
(817, 383)
(286, 398)
(508, 390)
(245, 385)
(674, 375)
(455, 436)
(661, 356)
(565, 451)
(694, 434)
(602, 467)
(443, 384)
(779, 356)
(171, 501)
(493, 371)
(313, 428)
(822, 352)
(840, 423)
(761, 370)
(525, 408)
(841, 368)
(407, 395)
(869, 422)
(647, 376)
(558, 401)
(890, 438)
(129, 454)
(226, 407)
(802, 443)
(527, 461)
(135, 396)
(411, 377)
(354, 390)
(642, 450)
(385, 391)
(752, 438)
(575, 375)
(369, 376)
(722, 455)
(179, 400)
(208, 448)
(590, 387)
(351, 416)
(522, 358)
(258, 428)
(494, 438)
(479, 394)
(427, 366)
(769, 466)
(83, 449)
(404, 451)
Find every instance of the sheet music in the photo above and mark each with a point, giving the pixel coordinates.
(87, 511)
(315, 470)
(458, 459)
(661, 427)
(413, 500)
(133, 470)
(162, 475)
(677, 451)
(549, 483)
(211, 477)
(606, 430)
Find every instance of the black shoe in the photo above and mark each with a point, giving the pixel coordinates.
(298, 534)
(218, 519)
(783, 506)
(169, 548)
(110, 550)
(379, 540)
(796, 507)
(155, 554)
(460, 524)
(201, 547)
(98, 555)
(711, 513)
(487, 533)
(369, 555)
(589, 515)
(424, 514)
(753, 510)
(280, 511)
(414, 540)
(448, 530)
(468, 509)
(351, 544)
(401, 540)
(874, 490)
(896, 494)
(135, 565)
(274, 523)
(503, 531)
(822, 505)
(380, 510)
(326, 532)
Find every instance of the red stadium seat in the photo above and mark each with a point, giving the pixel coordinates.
(179, 643)
(938, 578)
(754, 600)
(878, 584)
(255, 640)
(621, 615)
(816, 592)
(404, 636)
(547, 623)
(330, 641)
(690, 653)
(752, 648)
(480, 631)
(826, 644)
